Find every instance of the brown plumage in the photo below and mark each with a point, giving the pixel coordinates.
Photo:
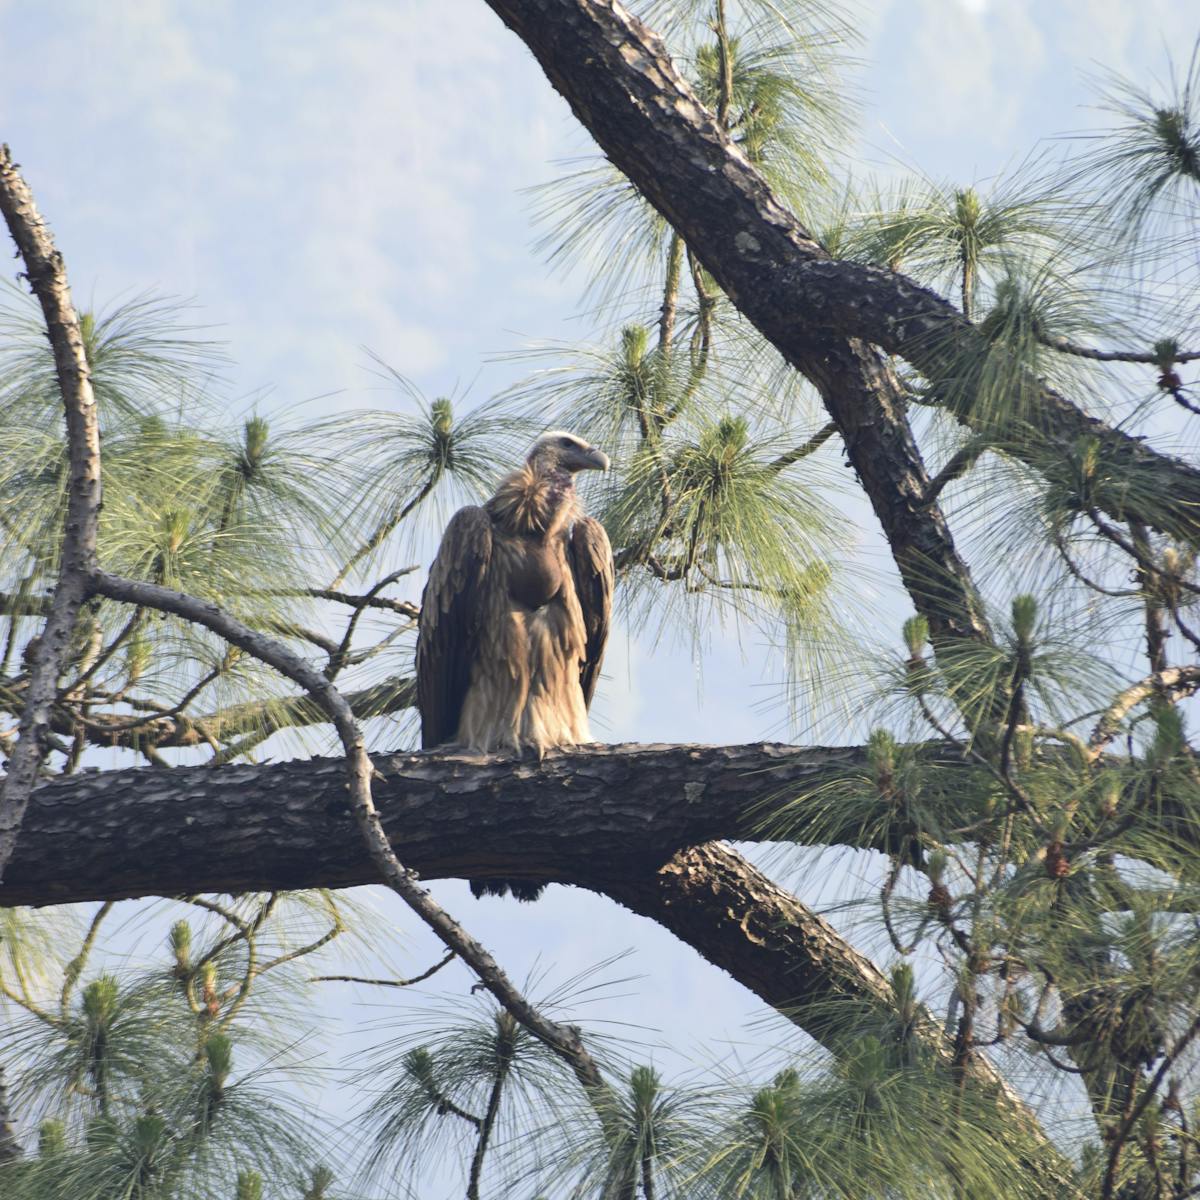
(515, 616)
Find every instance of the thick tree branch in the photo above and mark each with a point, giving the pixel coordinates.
(621, 84)
(586, 814)
(627, 821)
(48, 278)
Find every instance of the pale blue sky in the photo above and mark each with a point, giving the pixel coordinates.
(324, 178)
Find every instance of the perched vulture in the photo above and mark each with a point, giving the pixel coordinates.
(515, 616)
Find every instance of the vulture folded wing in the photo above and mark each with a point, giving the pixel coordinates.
(592, 566)
(451, 619)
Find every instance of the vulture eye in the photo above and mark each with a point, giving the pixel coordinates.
(565, 442)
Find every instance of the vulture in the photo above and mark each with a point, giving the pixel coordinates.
(515, 615)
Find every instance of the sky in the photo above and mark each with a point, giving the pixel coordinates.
(324, 180)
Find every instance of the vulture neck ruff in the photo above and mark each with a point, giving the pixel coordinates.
(535, 501)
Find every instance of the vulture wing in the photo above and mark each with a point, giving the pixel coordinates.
(592, 566)
(451, 619)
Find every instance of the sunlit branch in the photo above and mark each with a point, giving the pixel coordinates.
(47, 276)
(1175, 681)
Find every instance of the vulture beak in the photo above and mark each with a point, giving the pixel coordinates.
(594, 460)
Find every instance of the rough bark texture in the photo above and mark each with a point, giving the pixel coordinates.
(48, 279)
(713, 899)
(863, 396)
(579, 816)
(634, 822)
(620, 82)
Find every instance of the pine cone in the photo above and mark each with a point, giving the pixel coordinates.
(1057, 864)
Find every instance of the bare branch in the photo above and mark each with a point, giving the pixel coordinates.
(47, 277)
(449, 957)
(564, 1040)
(1175, 681)
(1066, 346)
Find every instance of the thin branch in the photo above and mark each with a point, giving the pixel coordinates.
(505, 1038)
(670, 302)
(1126, 1127)
(46, 272)
(74, 969)
(337, 659)
(1176, 681)
(564, 1040)
(813, 444)
(1077, 573)
(958, 465)
(1139, 556)
(1066, 346)
(449, 957)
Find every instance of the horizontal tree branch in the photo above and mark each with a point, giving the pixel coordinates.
(629, 821)
(581, 815)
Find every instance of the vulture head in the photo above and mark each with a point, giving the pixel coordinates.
(562, 451)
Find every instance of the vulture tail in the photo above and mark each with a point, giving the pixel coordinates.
(521, 889)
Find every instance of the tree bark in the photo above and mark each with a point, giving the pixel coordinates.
(584, 815)
(621, 84)
(636, 823)
(48, 278)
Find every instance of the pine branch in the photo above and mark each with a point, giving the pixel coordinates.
(449, 957)
(624, 88)
(563, 1040)
(47, 277)
(1154, 358)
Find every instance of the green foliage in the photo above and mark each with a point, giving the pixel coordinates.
(1022, 817)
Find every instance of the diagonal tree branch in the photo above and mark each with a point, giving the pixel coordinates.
(48, 278)
(563, 1040)
(620, 82)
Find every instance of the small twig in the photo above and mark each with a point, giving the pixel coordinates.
(1077, 572)
(1115, 536)
(396, 983)
(1066, 346)
(337, 659)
